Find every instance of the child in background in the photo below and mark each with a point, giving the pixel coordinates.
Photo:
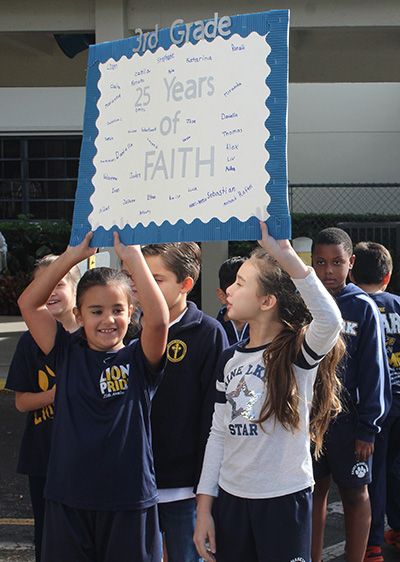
(258, 461)
(33, 380)
(349, 442)
(371, 272)
(100, 491)
(134, 324)
(236, 330)
(183, 406)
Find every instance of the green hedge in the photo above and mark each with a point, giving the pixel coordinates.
(26, 242)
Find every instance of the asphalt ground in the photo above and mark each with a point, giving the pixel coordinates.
(16, 523)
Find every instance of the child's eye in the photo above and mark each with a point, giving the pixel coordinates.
(320, 262)
(97, 312)
(118, 310)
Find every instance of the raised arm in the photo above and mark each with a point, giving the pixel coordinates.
(327, 321)
(155, 309)
(284, 253)
(32, 302)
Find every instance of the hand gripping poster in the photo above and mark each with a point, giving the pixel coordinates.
(185, 133)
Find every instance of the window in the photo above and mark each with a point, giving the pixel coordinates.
(38, 176)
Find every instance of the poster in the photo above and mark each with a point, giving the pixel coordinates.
(185, 133)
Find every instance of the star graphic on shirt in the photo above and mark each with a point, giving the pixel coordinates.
(242, 400)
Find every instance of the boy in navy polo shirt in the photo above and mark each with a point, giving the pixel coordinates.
(184, 403)
(349, 442)
(371, 272)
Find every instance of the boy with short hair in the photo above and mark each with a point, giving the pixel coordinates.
(371, 272)
(349, 442)
(184, 403)
(235, 330)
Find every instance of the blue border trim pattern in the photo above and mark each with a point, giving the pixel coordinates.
(276, 24)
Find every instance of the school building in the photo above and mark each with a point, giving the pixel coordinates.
(344, 99)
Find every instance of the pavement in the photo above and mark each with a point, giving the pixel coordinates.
(16, 519)
(16, 523)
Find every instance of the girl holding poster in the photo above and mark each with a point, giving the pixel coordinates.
(101, 493)
(277, 391)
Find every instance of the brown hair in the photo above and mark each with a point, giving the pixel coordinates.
(182, 258)
(373, 262)
(282, 397)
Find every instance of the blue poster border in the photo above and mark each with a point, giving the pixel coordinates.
(276, 25)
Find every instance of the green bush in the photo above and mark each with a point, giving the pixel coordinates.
(26, 242)
(11, 286)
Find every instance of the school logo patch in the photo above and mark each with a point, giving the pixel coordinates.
(298, 559)
(360, 469)
(176, 351)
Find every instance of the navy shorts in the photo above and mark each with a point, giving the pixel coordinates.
(263, 530)
(338, 457)
(81, 535)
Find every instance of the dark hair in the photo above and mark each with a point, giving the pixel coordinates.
(282, 397)
(182, 258)
(373, 262)
(104, 276)
(331, 236)
(228, 270)
(73, 275)
(101, 276)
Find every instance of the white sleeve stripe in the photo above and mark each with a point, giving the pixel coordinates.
(220, 386)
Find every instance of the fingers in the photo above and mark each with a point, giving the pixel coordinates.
(204, 539)
(363, 450)
(264, 232)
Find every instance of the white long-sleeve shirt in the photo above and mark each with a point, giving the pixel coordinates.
(251, 461)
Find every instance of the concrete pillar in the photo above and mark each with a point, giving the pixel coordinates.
(110, 20)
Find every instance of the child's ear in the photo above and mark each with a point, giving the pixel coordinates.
(386, 279)
(187, 285)
(268, 302)
(221, 295)
(351, 261)
(77, 315)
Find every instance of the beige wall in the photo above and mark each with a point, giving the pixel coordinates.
(343, 54)
(340, 41)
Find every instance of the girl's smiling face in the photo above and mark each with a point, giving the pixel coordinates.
(62, 299)
(104, 314)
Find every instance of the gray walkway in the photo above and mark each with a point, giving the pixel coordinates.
(11, 328)
(16, 529)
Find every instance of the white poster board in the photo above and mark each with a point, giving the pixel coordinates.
(185, 134)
